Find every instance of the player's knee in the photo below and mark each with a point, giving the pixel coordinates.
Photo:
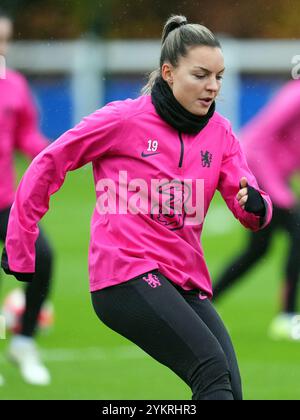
(211, 377)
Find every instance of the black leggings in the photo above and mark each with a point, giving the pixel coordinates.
(258, 245)
(38, 290)
(177, 329)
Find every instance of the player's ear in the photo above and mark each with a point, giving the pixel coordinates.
(167, 73)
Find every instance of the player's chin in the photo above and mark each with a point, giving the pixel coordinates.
(199, 110)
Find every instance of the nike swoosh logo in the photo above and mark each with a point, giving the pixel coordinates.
(144, 155)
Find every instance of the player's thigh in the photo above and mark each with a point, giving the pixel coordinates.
(207, 313)
(158, 319)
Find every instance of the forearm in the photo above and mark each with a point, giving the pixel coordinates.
(31, 203)
(91, 138)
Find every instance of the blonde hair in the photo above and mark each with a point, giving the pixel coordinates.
(177, 37)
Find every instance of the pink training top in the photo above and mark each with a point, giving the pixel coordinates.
(18, 131)
(128, 139)
(271, 142)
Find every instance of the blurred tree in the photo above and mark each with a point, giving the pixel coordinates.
(67, 19)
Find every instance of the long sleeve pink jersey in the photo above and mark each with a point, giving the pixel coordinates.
(271, 142)
(18, 131)
(137, 155)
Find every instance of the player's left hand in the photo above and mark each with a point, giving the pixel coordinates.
(242, 196)
(250, 199)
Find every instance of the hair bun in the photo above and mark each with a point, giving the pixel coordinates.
(174, 22)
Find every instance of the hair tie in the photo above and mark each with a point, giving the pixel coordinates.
(183, 23)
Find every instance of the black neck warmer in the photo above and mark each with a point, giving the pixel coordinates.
(170, 110)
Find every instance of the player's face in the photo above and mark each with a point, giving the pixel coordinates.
(197, 79)
(6, 32)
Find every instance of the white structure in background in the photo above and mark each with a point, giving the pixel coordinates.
(2, 67)
(88, 62)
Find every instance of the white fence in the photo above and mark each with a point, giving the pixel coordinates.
(89, 62)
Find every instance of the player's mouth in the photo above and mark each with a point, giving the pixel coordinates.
(206, 102)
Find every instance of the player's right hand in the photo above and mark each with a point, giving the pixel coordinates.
(24, 277)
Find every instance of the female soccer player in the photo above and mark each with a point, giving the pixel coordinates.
(19, 131)
(271, 143)
(153, 159)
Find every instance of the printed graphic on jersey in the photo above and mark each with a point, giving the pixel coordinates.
(173, 204)
(206, 159)
(152, 149)
(152, 280)
(172, 212)
(145, 155)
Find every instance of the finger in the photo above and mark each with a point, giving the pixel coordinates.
(242, 193)
(243, 183)
(243, 201)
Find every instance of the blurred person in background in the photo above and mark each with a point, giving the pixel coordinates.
(148, 277)
(271, 142)
(19, 131)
